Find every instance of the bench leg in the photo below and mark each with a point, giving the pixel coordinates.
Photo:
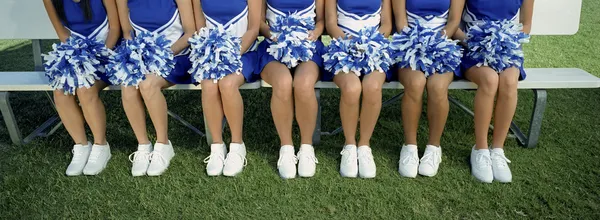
(535, 126)
(37, 54)
(9, 119)
(185, 123)
(317, 131)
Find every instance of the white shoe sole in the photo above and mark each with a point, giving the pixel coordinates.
(349, 176)
(103, 167)
(214, 174)
(74, 174)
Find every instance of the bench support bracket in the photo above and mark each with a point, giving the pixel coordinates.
(9, 118)
(535, 124)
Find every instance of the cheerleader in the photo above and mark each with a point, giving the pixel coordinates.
(86, 29)
(224, 58)
(290, 58)
(427, 58)
(494, 61)
(358, 60)
(153, 57)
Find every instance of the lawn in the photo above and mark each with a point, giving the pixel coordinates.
(559, 179)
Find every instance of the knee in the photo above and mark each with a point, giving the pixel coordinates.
(415, 86)
(86, 95)
(508, 87)
(283, 89)
(228, 86)
(303, 88)
(149, 87)
(209, 88)
(489, 84)
(371, 87)
(129, 94)
(437, 90)
(351, 93)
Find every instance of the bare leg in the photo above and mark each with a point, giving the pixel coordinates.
(93, 110)
(233, 105)
(371, 106)
(412, 102)
(71, 116)
(305, 78)
(213, 110)
(487, 80)
(351, 88)
(437, 105)
(157, 105)
(136, 112)
(506, 105)
(282, 104)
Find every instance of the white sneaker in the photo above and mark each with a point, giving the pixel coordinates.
(366, 164)
(140, 160)
(99, 157)
(349, 163)
(216, 160)
(80, 157)
(408, 164)
(307, 161)
(235, 160)
(160, 158)
(500, 166)
(286, 165)
(430, 162)
(481, 165)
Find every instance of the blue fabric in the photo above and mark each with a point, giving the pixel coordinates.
(427, 8)
(179, 74)
(151, 15)
(361, 7)
(223, 11)
(290, 6)
(493, 10)
(76, 19)
(265, 58)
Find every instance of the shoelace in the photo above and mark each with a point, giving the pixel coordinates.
(212, 155)
(139, 156)
(500, 160)
(483, 160)
(431, 158)
(287, 158)
(94, 155)
(349, 159)
(410, 160)
(368, 156)
(77, 155)
(302, 155)
(239, 156)
(155, 154)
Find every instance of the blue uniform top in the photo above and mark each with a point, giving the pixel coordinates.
(232, 15)
(491, 10)
(304, 8)
(78, 25)
(429, 13)
(355, 15)
(157, 16)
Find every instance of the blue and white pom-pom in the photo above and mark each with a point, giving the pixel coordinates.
(497, 44)
(146, 53)
(74, 63)
(426, 50)
(292, 45)
(215, 54)
(363, 54)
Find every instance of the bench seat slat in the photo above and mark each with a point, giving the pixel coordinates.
(537, 78)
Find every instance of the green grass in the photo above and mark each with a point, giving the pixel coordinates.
(559, 179)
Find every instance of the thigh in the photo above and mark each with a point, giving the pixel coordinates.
(153, 80)
(232, 80)
(510, 75)
(274, 72)
(374, 80)
(347, 80)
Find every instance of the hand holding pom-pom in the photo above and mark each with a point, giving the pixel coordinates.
(74, 63)
(293, 42)
(497, 44)
(215, 54)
